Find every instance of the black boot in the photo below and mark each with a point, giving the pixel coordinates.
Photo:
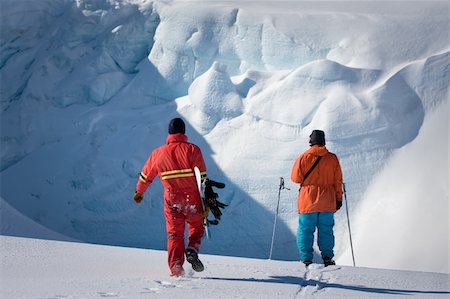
(307, 263)
(327, 261)
(192, 258)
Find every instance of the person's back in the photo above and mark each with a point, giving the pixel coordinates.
(320, 195)
(322, 187)
(174, 162)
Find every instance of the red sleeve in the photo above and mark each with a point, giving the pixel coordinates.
(148, 173)
(197, 161)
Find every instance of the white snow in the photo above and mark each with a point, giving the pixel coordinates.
(32, 268)
(88, 88)
(426, 210)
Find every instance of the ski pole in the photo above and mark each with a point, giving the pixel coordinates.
(276, 215)
(348, 222)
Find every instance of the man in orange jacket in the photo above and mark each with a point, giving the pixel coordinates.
(320, 196)
(174, 162)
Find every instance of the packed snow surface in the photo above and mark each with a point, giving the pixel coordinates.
(33, 268)
(88, 88)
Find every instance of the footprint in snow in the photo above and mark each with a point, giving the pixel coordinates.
(150, 291)
(105, 294)
(165, 284)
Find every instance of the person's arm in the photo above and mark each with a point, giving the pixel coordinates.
(198, 161)
(338, 181)
(146, 176)
(296, 175)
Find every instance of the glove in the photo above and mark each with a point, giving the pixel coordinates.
(338, 204)
(215, 184)
(138, 197)
(211, 198)
(215, 206)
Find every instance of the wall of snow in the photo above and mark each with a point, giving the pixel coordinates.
(88, 88)
(416, 217)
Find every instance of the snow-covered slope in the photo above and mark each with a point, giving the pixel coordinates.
(424, 221)
(13, 223)
(88, 88)
(33, 268)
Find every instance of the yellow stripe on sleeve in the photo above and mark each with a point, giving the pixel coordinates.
(142, 177)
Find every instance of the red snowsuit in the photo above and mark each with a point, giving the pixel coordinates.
(174, 162)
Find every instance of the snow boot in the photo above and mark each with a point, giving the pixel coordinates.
(192, 258)
(328, 262)
(177, 271)
(307, 263)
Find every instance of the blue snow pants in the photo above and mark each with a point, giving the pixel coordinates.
(307, 223)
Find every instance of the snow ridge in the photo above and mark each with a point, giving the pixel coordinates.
(88, 88)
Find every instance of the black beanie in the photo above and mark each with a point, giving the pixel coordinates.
(176, 125)
(317, 137)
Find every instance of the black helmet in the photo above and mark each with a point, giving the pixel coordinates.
(176, 125)
(317, 137)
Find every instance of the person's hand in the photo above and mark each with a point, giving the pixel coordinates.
(338, 204)
(138, 197)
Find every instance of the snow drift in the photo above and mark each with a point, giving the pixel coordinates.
(88, 88)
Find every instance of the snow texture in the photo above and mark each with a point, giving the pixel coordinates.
(88, 89)
(32, 268)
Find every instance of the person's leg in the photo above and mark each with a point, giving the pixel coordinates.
(325, 235)
(195, 231)
(175, 224)
(195, 234)
(305, 235)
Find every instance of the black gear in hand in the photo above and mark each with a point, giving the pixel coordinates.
(211, 198)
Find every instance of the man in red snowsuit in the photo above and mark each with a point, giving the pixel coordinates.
(174, 162)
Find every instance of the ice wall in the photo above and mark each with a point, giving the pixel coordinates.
(88, 88)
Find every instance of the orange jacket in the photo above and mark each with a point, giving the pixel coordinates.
(174, 162)
(323, 186)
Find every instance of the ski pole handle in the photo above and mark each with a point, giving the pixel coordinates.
(282, 184)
